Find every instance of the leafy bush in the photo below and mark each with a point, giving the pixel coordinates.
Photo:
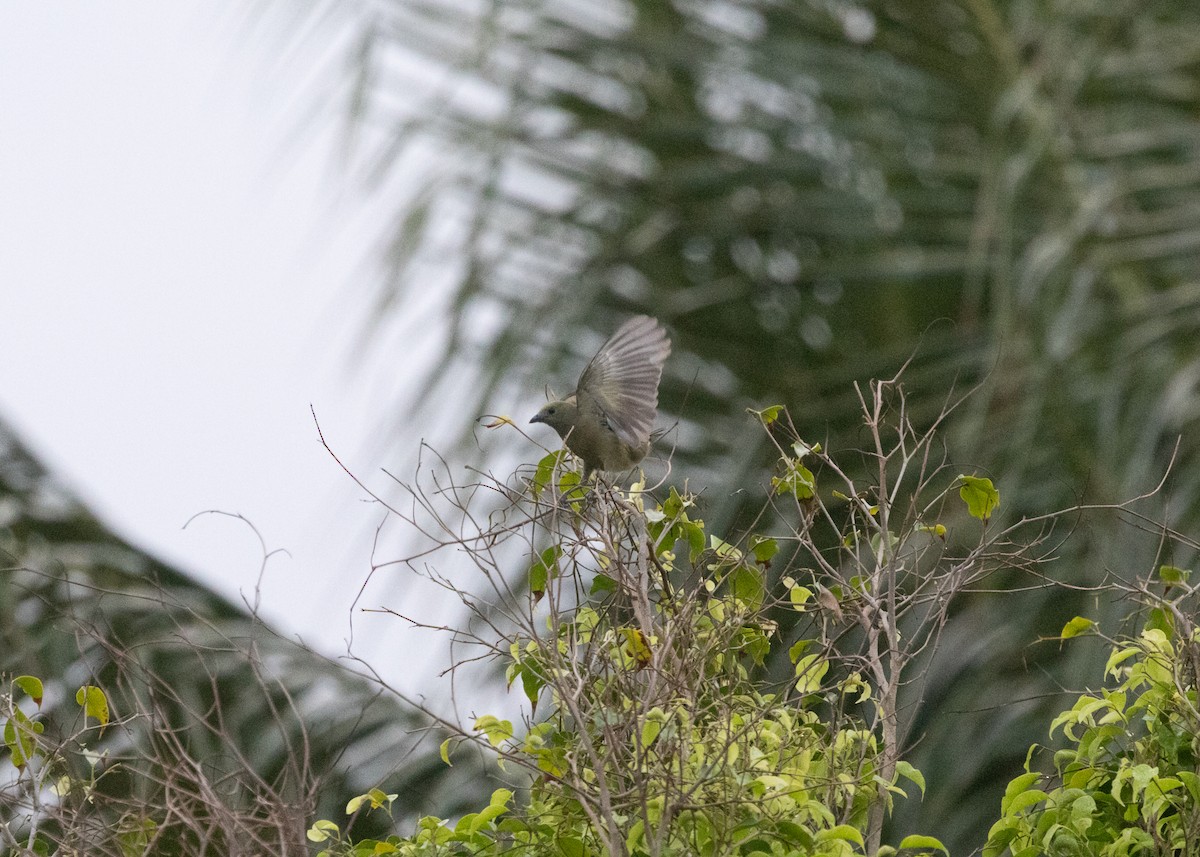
(1126, 784)
(643, 645)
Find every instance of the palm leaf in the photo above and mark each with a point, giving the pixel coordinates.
(809, 193)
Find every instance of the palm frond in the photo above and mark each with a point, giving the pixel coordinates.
(808, 193)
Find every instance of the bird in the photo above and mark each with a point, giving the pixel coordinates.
(608, 421)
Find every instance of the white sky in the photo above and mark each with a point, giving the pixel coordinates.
(175, 267)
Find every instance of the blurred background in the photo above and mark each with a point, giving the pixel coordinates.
(407, 214)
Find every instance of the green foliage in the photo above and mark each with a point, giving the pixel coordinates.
(46, 764)
(736, 770)
(544, 569)
(797, 479)
(1172, 575)
(812, 191)
(980, 495)
(22, 733)
(1126, 784)
(641, 645)
(1078, 625)
(94, 703)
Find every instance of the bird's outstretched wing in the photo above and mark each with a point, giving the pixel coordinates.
(620, 385)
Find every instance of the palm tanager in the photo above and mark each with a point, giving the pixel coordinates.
(607, 422)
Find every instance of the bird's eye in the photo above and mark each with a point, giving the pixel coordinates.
(550, 411)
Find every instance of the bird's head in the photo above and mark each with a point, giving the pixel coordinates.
(560, 416)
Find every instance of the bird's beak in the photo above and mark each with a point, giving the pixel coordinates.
(537, 418)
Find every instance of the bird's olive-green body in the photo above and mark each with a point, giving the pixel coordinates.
(607, 423)
(593, 441)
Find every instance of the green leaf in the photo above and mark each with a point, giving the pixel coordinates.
(810, 669)
(693, 531)
(797, 649)
(909, 772)
(532, 684)
(1118, 657)
(497, 731)
(768, 414)
(724, 549)
(634, 836)
(916, 841)
(935, 530)
(844, 832)
(545, 470)
(1075, 627)
(496, 807)
(980, 496)
(747, 585)
(1191, 782)
(1162, 620)
(376, 797)
(322, 830)
(652, 725)
(570, 846)
(1172, 575)
(500, 797)
(1026, 799)
(1019, 784)
(94, 703)
(31, 686)
(544, 569)
(570, 486)
(795, 834)
(20, 736)
(444, 751)
(763, 548)
(797, 480)
(799, 596)
(602, 583)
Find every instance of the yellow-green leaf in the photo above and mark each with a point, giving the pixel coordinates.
(799, 596)
(1172, 575)
(764, 549)
(500, 797)
(322, 830)
(544, 569)
(797, 649)
(1076, 626)
(724, 549)
(768, 414)
(916, 841)
(797, 480)
(980, 495)
(20, 736)
(844, 832)
(94, 703)
(545, 470)
(907, 771)
(636, 645)
(378, 798)
(31, 686)
(497, 731)
(810, 669)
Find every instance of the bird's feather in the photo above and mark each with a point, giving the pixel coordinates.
(620, 385)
